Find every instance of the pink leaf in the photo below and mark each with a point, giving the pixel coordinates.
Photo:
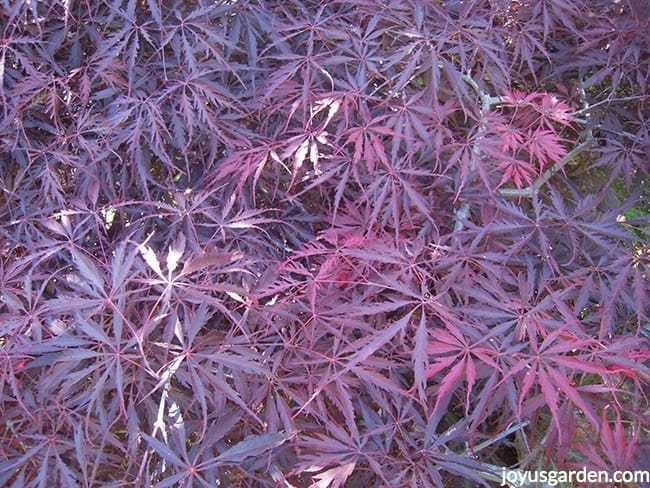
(545, 146)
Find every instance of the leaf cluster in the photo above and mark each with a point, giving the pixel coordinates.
(270, 243)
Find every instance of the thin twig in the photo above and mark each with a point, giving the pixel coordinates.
(487, 101)
(542, 180)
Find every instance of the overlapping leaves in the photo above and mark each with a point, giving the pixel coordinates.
(271, 243)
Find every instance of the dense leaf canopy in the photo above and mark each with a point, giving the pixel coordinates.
(349, 243)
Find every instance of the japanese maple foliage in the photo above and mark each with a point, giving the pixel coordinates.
(338, 243)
